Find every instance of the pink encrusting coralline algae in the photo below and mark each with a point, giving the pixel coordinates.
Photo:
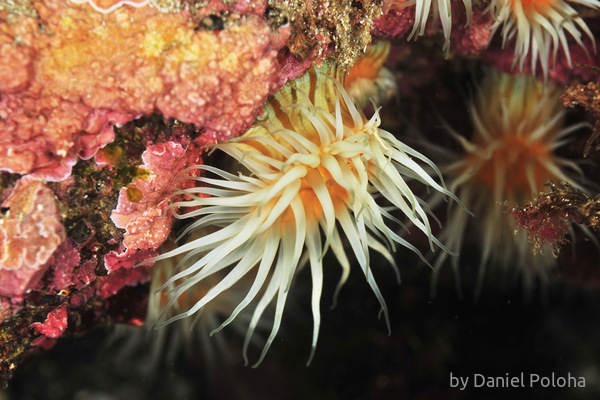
(55, 324)
(29, 234)
(73, 72)
(68, 81)
(142, 208)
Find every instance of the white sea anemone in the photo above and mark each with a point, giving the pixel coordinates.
(540, 27)
(316, 166)
(518, 124)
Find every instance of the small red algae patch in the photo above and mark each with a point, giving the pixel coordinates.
(544, 223)
(125, 258)
(473, 38)
(55, 323)
(548, 217)
(111, 284)
(64, 262)
(395, 23)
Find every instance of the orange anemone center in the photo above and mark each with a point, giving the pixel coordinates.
(339, 196)
(369, 65)
(365, 68)
(312, 205)
(534, 6)
(515, 159)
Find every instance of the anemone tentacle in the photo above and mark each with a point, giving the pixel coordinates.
(540, 27)
(439, 8)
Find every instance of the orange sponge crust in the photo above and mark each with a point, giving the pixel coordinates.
(83, 70)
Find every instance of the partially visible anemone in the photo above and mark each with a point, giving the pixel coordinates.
(187, 337)
(518, 124)
(440, 8)
(197, 329)
(539, 28)
(368, 80)
(316, 173)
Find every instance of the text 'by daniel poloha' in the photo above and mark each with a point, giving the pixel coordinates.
(521, 380)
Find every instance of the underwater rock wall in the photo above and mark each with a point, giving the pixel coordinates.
(108, 111)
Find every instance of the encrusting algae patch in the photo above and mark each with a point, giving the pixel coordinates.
(86, 70)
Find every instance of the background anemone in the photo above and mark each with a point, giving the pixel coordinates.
(539, 26)
(316, 164)
(188, 337)
(368, 80)
(518, 123)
